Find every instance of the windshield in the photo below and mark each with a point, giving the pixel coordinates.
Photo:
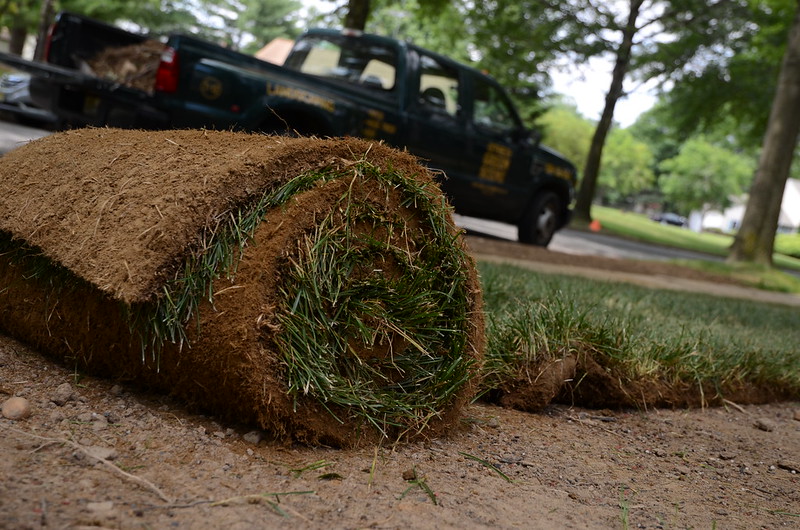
(347, 59)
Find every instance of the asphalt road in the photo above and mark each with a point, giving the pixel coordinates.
(579, 242)
(13, 135)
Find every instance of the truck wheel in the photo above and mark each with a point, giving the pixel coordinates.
(540, 220)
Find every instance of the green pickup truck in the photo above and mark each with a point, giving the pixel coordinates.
(333, 83)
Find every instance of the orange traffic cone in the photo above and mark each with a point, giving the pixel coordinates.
(594, 226)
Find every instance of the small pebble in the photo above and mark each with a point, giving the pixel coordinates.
(102, 453)
(252, 437)
(62, 394)
(16, 408)
(766, 424)
(99, 423)
(105, 506)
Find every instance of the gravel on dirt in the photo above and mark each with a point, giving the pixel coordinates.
(96, 453)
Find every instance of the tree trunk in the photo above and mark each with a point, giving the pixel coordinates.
(45, 19)
(16, 44)
(591, 172)
(756, 238)
(357, 14)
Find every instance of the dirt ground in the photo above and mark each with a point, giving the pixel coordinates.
(96, 454)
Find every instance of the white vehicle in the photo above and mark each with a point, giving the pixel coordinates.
(15, 99)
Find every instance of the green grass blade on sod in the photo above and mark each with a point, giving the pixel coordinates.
(635, 346)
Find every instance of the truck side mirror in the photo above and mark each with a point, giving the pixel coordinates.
(534, 136)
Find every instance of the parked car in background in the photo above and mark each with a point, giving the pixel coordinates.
(669, 218)
(15, 100)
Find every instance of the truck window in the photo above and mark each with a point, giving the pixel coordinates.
(438, 86)
(346, 59)
(491, 109)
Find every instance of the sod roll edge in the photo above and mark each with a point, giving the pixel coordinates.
(316, 288)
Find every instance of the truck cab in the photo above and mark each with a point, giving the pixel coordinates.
(455, 118)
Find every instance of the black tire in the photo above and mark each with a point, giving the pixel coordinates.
(541, 220)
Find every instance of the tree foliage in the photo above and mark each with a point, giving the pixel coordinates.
(248, 25)
(704, 176)
(734, 80)
(627, 168)
(439, 28)
(564, 129)
(232, 22)
(629, 161)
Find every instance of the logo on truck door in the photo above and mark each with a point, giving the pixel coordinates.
(210, 87)
(374, 124)
(300, 95)
(495, 163)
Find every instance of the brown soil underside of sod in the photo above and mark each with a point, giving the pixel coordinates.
(121, 233)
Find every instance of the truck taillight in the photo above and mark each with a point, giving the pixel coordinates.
(167, 73)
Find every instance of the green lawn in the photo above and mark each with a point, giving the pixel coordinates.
(639, 227)
(637, 334)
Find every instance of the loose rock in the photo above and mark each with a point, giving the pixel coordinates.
(789, 465)
(105, 506)
(16, 408)
(252, 437)
(797, 415)
(766, 424)
(62, 394)
(101, 453)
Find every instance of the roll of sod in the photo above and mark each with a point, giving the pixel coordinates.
(316, 288)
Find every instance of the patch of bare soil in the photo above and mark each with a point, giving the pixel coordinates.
(94, 453)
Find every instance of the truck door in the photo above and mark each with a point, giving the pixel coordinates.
(497, 158)
(435, 130)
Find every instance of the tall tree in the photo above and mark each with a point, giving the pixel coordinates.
(357, 14)
(756, 238)
(591, 170)
(645, 39)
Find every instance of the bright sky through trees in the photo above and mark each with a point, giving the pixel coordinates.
(587, 87)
